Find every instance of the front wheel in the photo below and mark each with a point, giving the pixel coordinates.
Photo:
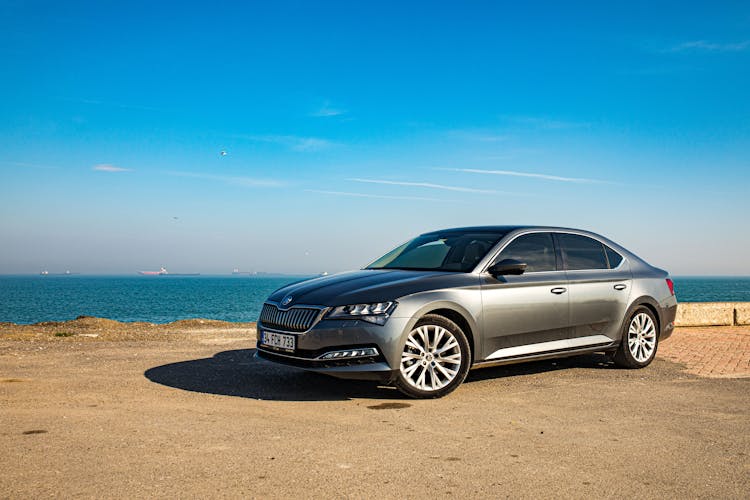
(435, 359)
(639, 340)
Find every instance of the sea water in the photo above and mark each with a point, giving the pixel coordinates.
(161, 299)
(156, 299)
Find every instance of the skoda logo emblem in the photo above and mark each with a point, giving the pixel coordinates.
(287, 300)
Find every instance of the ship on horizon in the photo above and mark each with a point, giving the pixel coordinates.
(47, 273)
(160, 272)
(236, 271)
(163, 272)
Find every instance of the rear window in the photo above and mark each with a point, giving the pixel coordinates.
(613, 257)
(582, 252)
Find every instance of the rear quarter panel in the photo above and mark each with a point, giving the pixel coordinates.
(650, 288)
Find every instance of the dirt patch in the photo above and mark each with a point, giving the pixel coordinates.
(198, 323)
(389, 406)
(90, 329)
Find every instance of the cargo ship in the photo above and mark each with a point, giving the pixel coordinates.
(160, 272)
(163, 272)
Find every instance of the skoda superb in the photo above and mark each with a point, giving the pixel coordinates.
(427, 312)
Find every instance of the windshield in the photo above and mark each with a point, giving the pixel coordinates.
(450, 251)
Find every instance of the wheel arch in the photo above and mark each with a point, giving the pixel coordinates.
(649, 303)
(462, 323)
(455, 313)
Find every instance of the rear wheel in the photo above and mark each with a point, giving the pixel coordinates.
(639, 340)
(435, 359)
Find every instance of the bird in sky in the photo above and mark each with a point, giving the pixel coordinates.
(223, 153)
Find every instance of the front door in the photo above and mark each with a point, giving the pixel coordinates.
(529, 313)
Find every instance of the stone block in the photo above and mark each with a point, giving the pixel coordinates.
(705, 314)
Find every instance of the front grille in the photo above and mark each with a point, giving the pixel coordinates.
(296, 319)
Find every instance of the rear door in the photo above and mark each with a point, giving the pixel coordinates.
(526, 314)
(599, 282)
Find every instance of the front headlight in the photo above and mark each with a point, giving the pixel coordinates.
(376, 313)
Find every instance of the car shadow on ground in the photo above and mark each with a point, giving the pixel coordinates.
(590, 361)
(238, 373)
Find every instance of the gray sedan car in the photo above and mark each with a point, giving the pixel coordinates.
(424, 314)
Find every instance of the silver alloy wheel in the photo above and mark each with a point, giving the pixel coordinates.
(431, 358)
(642, 337)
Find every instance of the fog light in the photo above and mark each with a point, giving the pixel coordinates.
(351, 353)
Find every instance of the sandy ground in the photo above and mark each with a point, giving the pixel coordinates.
(184, 410)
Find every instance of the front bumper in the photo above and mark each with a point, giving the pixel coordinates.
(334, 335)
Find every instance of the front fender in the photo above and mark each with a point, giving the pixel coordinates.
(468, 307)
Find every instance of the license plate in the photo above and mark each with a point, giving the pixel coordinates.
(278, 340)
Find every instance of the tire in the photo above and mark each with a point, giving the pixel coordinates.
(640, 339)
(435, 360)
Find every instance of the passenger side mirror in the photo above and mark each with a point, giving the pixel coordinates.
(507, 266)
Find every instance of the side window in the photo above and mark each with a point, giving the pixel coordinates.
(582, 252)
(535, 249)
(613, 257)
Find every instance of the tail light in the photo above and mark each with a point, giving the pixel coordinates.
(670, 284)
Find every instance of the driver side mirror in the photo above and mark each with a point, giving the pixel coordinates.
(507, 266)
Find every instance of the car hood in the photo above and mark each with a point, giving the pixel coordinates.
(367, 286)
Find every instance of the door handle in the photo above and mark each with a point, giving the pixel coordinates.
(558, 290)
(620, 286)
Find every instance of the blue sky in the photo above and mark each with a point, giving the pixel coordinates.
(350, 126)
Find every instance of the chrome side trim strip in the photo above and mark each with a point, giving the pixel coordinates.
(554, 345)
(495, 252)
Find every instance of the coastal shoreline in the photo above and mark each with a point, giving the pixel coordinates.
(101, 329)
(689, 314)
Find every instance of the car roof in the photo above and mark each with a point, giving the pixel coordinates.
(498, 229)
(506, 230)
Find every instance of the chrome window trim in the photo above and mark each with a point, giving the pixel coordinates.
(502, 246)
(485, 263)
(593, 237)
(622, 257)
